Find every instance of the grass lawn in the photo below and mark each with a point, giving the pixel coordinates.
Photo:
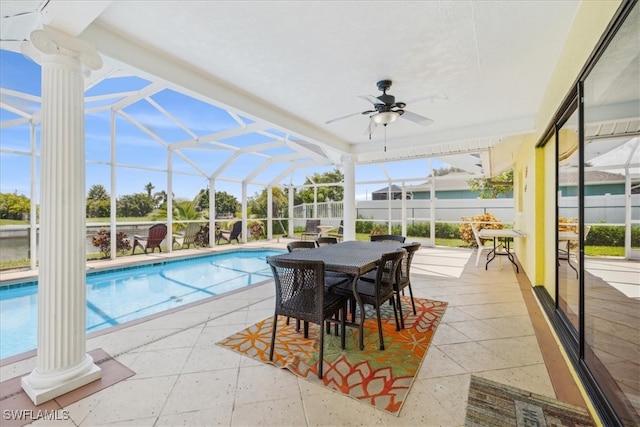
(604, 251)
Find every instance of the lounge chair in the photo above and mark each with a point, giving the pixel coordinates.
(311, 229)
(188, 236)
(152, 240)
(229, 235)
(340, 232)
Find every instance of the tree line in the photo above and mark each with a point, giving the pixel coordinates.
(152, 204)
(148, 203)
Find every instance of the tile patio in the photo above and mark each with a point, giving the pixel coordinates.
(492, 328)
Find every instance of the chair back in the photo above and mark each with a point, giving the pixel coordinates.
(387, 238)
(340, 232)
(475, 234)
(300, 245)
(312, 226)
(324, 241)
(236, 231)
(299, 288)
(157, 233)
(404, 269)
(386, 274)
(190, 233)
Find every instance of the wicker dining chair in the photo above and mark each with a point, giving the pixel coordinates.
(300, 293)
(324, 241)
(332, 278)
(378, 292)
(403, 279)
(300, 245)
(387, 238)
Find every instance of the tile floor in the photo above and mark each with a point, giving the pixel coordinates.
(184, 378)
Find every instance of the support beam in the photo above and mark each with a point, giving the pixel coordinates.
(349, 199)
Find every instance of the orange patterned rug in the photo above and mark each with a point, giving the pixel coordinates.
(381, 378)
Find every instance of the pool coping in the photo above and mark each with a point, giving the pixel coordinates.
(122, 263)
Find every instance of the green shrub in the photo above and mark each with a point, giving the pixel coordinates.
(419, 229)
(611, 235)
(447, 230)
(364, 227)
(635, 236)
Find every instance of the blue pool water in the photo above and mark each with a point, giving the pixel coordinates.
(118, 296)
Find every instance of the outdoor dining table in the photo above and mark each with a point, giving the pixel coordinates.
(354, 258)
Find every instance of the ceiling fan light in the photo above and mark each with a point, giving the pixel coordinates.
(385, 117)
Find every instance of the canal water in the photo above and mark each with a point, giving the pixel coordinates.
(16, 245)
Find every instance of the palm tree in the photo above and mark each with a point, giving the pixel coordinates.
(160, 198)
(149, 187)
(184, 210)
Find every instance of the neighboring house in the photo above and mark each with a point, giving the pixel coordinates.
(596, 183)
(455, 186)
(451, 186)
(396, 193)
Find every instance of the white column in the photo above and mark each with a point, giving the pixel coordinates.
(62, 363)
(349, 200)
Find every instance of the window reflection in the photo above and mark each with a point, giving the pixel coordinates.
(568, 221)
(612, 213)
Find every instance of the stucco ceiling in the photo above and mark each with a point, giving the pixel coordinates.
(295, 65)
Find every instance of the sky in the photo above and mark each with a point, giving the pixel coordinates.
(137, 150)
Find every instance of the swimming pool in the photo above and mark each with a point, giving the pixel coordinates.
(122, 295)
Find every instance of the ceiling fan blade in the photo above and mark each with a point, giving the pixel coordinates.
(416, 118)
(343, 117)
(372, 99)
(371, 128)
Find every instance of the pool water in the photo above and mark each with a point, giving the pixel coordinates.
(118, 296)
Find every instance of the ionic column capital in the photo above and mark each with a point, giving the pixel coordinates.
(48, 43)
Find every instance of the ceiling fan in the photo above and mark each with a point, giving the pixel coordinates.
(387, 110)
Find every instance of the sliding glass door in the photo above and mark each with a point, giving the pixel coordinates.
(598, 225)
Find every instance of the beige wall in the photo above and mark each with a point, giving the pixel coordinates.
(534, 169)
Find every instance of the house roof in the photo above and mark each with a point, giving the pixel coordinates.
(384, 190)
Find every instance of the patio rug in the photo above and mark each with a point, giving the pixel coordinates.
(495, 404)
(380, 378)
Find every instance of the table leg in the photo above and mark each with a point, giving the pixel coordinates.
(510, 255)
(361, 307)
(493, 253)
(569, 259)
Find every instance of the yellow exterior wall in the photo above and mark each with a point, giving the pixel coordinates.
(534, 169)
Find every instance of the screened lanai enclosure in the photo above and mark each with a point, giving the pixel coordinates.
(111, 109)
(144, 137)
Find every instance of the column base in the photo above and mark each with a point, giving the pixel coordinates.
(41, 395)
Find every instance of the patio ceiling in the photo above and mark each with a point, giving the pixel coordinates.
(281, 70)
